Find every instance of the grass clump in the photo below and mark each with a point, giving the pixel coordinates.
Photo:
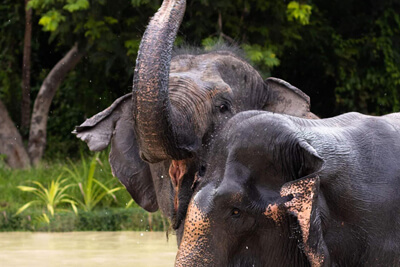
(92, 190)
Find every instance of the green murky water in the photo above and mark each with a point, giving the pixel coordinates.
(113, 249)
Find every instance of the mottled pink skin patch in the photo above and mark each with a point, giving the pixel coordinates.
(193, 250)
(274, 212)
(301, 206)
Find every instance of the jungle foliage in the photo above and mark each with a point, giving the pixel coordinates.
(79, 196)
(107, 219)
(345, 54)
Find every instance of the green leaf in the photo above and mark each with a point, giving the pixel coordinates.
(50, 209)
(110, 20)
(76, 5)
(44, 218)
(261, 55)
(26, 188)
(51, 20)
(27, 205)
(72, 203)
(40, 4)
(299, 12)
(210, 42)
(137, 3)
(94, 28)
(129, 204)
(132, 46)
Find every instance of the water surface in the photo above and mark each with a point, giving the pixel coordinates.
(138, 249)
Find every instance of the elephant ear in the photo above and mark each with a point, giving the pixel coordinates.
(286, 99)
(304, 206)
(299, 198)
(114, 125)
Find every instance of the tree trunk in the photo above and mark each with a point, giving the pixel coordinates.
(11, 142)
(26, 70)
(37, 133)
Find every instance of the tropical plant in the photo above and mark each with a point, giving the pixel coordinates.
(92, 190)
(51, 197)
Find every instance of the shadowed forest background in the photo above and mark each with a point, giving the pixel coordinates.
(345, 54)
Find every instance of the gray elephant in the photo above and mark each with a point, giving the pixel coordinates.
(284, 191)
(161, 131)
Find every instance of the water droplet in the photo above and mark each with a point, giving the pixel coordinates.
(247, 247)
(162, 176)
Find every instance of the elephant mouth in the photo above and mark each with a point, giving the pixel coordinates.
(177, 170)
(182, 173)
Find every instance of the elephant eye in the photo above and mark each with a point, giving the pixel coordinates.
(196, 181)
(197, 176)
(223, 108)
(235, 213)
(202, 171)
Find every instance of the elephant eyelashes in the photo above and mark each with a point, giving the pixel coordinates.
(235, 213)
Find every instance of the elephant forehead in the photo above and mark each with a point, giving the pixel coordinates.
(198, 64)
(198, 83)
(186, 62)
(209, 67)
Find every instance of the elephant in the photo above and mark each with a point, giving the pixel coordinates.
(179, 101)
(278, 190)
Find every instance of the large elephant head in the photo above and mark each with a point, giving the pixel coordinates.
(160, 133)
(255, 203)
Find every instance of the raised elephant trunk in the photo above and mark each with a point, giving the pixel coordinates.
(155, 120)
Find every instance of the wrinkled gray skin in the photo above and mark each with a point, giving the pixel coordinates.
(161, 131)
(285, 191)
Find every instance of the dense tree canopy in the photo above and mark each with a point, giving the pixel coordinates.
(345, 54)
